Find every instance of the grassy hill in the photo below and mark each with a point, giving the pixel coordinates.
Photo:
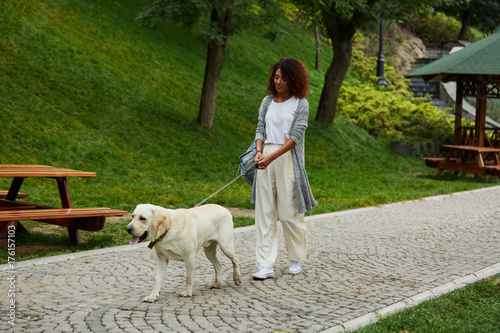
(85, 86)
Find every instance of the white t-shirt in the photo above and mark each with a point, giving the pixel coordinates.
(279, 118)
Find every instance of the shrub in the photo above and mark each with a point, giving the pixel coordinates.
(435, 27)
(391, 114)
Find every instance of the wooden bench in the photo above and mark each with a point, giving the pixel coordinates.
(89, 219)
(3, 195)
(472, 160)
(433, 162)
(12, 211)
(492, 170)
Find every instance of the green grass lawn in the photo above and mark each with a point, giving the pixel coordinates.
(473, 309)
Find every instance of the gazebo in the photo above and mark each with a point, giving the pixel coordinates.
(476, 70)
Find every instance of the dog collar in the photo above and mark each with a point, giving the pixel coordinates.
(153, 243)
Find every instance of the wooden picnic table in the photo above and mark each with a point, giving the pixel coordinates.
(11, 211)
(467, 159)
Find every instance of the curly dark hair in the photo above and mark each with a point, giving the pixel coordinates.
(293, 71)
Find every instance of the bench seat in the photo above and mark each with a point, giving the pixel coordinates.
(492, 170)
(439, 159)
(89, 219)
(57, 213)
(434, 162)
(3, 195)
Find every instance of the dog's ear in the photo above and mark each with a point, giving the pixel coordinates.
(158, 218)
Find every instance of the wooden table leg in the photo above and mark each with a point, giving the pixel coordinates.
(74, 237)
(14, 189)
(495, 159)
(4, 228)
(480, 163)
(62, 184)
(446, 160)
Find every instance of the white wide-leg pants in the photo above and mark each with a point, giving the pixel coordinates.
(276, 197)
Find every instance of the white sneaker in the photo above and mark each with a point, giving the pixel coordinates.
(263, 273)
(295, 267)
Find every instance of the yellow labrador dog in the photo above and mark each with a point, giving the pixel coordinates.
(179, 234)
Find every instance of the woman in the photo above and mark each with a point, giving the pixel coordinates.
(281, 187)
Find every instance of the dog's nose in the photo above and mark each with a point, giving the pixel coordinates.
(129, 229)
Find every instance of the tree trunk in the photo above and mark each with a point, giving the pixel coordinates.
(341, 37)
(464, 31)
(213, 67)
(318, 47)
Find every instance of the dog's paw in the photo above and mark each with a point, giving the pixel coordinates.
(237, 279)
(216, 285)
(186, 293)
(149, 299)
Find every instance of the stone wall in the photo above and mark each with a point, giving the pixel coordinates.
(409, 51)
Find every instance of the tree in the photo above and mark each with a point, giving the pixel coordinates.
(484, 14)
(312, 22)
(216, 20)
(341, 19)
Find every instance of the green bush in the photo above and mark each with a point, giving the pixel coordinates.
(391, 114)
(435, 27)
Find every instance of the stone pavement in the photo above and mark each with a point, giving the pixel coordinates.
(363, 264)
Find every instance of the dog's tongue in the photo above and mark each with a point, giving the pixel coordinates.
(134, 240)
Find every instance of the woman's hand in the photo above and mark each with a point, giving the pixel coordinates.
(258, 156)
(259, 159)
(263, 161)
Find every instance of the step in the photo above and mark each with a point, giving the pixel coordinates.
(437, 53)
(440, 103)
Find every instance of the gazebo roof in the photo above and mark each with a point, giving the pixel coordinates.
(479, 58)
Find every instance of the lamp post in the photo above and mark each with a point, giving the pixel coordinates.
(380, 61)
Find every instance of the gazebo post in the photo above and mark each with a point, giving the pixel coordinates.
(458, 110)
(481, 96)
